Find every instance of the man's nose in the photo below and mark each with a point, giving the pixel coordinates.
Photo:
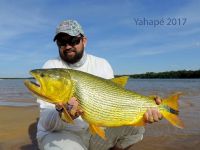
(67, 46)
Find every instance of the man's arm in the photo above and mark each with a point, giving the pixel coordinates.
(50, 118)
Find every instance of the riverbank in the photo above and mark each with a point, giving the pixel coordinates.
(18, 127)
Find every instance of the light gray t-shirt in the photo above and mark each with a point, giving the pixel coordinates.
(49, 118)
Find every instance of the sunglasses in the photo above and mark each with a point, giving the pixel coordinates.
(72, 41)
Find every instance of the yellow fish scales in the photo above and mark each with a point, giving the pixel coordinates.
(105, 103)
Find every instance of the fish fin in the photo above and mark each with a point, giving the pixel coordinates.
(120, 80)
(97, 130)
(66, 116)
(172, 101)
(139, 123)
(173, 119)
(170, 110)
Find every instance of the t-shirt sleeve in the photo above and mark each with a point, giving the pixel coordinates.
(49, 64)
(107, 69)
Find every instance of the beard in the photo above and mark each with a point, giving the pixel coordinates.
(71, 59)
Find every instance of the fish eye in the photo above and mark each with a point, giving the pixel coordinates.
(42, 75)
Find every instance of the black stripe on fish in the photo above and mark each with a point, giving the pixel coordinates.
(171, 110)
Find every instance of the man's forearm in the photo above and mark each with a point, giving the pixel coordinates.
(50, 119)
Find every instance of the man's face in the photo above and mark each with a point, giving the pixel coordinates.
(71, 48)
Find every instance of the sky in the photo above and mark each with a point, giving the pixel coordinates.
(135, 36)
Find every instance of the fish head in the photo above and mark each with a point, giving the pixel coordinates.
(52, 85)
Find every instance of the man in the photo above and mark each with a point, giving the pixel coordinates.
(53, 133)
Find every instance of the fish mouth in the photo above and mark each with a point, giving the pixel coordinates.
(34, 85)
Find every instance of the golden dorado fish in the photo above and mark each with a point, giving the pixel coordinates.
(105, 103)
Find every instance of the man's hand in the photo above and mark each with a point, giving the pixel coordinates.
(152, 114)
(72, 108)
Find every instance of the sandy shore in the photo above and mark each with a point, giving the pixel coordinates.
(18, 127)
(18, 131)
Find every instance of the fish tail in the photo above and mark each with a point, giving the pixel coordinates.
(171, 110)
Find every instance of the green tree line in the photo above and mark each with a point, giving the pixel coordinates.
(181, 74)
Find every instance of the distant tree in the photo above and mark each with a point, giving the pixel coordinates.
(182, 74)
